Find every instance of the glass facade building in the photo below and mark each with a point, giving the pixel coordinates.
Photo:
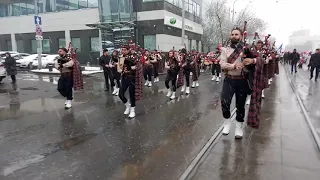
(116, 10)
(25, 7)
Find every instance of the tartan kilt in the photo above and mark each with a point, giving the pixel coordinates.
(266, 76)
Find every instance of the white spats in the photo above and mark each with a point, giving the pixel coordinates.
(169, 93)
(146, 83)
(226, 127)
(68, 104)
(248, 100)
(132, 112)
(213, 78)
(149, 84)
(183, 88)
(239, 130)
(173, 96)
(188, 90)
(127, 111)
(156, 79)
(193, 84)
(197, 83)
(269, 81)
(115, 91)
(262, 95)
(217, 79)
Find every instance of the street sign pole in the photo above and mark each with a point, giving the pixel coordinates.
(183, 22)
(39, 41)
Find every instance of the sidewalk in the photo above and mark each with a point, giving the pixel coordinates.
(281, 149)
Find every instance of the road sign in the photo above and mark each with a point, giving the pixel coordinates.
(37, 20)
(38, 37)
(38, 30)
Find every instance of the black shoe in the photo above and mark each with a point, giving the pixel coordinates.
(107, 89)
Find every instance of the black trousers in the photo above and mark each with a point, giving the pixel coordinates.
(65, 85)
(108, 75)
(317, 72)
(173, 78)
(216, 69)
(186, 74)
(13, 78)
(156, 70)
(240, 88)
(147, 73)
(128, 82)
(116, 76)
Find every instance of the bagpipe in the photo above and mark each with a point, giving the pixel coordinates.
(71, 54)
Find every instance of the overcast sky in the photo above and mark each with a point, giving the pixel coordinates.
(284, 16)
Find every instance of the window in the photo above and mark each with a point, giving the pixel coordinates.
(73, 4)
(4, 10)
(92, 3)
(62, 42)
(20, 47)
(34, 46)
(150, 42)
(76, 43)
(198, 10)
(16, 9)
(9, 45)
(94, 42)
(46, 45)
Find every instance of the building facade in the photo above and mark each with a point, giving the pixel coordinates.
(90, 24)
(62, 21)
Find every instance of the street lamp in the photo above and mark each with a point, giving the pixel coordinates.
(233, 10)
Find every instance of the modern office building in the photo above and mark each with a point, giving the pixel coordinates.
(93, 24)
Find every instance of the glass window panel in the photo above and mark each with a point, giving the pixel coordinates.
(46, 45)
(30, 7)
(150, 42)
(94, 41)
(62, 42)
(76, 43)
(198, 10)
(4, 12)
(73, 4)
(62, 5)
(9, 45)
(23, 9)
(93, 3)
(83, 4)
(34, 46)
(16, 9)
(20, 47)
(49, 6)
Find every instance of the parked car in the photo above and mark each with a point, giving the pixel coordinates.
(45, 61)
(3, 72)
(3, 56)
(16, 56)
(27, 62)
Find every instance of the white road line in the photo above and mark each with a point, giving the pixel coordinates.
(195, 161)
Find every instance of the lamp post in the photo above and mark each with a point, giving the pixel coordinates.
(183, 22)
(233, 10)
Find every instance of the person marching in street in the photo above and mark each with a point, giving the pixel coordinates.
(116, 76)
(195, 69)
(235, 82)
(314, 64)
(70, 74)
(156, 65)
(104, 62)
(216, 68)
(173, 68)
(186, 64)
(131, 70)
(295, 57)
(149, 62)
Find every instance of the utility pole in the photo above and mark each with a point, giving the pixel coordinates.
(233, 12)
(38, 33)
(183, 23)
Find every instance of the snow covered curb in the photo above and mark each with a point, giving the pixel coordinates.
(56, 72)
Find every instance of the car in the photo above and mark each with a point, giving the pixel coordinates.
(3, 56)
(45, 61)
(16, 56)
(3, 72)
(27, 61)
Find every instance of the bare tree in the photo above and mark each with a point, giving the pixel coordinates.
(217, 22)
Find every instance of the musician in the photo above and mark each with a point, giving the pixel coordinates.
(186, 64)
(235, 82)
(116, 76)
(156, 65)
(173, 68)
(130, 79)
(216, 68)
(65, 84)
(149, 62)
(294, 57)
(104, 62)
(195, 69)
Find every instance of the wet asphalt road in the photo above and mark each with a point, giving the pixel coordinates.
(309, 92)
(94, 140)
